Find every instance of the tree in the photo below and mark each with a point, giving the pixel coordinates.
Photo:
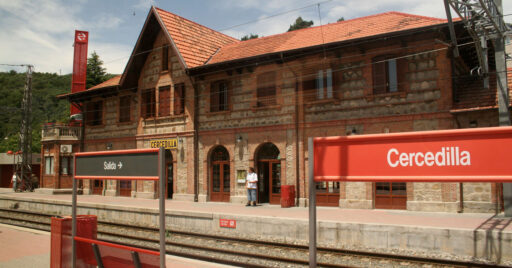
(95, 72)
(247, 37)
(45, 106)
(341, 19)
(300, 24)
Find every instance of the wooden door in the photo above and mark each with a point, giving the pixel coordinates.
(328, 194)
(269, 181)
(390, 195)
(125, 188)
(97, 187)
(220, 182)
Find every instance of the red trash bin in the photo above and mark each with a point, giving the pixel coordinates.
(287, 196)
(61, 243)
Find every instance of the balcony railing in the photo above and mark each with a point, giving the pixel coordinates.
(60, 132)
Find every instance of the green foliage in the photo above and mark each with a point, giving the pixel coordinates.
(300, 24)
(45, 106)
(341, 19)
(247, 37)
(95, 72)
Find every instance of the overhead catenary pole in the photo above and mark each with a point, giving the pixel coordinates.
(503, 97)
(484, 21)
(26, 128)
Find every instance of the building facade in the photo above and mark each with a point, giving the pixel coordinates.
(221, 106)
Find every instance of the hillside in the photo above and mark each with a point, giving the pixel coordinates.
(45, 106)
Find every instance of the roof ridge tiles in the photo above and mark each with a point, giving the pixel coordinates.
(349, 21)
(193, 22)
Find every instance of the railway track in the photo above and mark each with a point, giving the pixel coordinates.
(235, 251)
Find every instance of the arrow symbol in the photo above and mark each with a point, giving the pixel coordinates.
(120, 165)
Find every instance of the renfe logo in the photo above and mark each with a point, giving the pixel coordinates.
(448, 156)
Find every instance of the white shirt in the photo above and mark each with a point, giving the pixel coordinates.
(252, 178)
(14, 178)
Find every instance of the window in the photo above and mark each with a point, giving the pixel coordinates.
(125, 109)
(388, 74)
(179, 98)
(318, 86)
(165, 58)
(266, 92)
(48, 165)
(219, 99)
(94, 113)
(148, 103)
(164, 106)
(66, 165)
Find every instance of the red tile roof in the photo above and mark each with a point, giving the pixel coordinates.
(195, 43)
(114, 81)
(346, 30)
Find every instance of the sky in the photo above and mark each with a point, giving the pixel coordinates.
(41, 32)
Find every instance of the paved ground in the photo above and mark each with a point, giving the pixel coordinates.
(26, 248)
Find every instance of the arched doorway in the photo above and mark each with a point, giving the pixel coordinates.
(219, 175)
(269, 174)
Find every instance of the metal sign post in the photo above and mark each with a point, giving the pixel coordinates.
(73, 221)
(312, 205)
(161, 175)
(142, 164)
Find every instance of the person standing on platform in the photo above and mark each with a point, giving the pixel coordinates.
(251, 185)
(14, 181)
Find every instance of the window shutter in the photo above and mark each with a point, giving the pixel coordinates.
(164, 101)
(379, 76)
(214, 97)
(309, 88)
(266, 92)
(402, 67)
(179, 98)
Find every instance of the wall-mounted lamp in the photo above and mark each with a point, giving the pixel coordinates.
(238, 138)
(109, 146)
(180, 140)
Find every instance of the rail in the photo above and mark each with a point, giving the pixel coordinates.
(237, 251)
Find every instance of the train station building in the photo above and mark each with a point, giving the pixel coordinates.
(220, 106)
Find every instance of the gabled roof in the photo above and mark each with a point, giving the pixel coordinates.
(112, 82)
(374, 25)
(98, 89)
(194, 42)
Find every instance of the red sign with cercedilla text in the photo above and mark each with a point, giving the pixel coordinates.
(227, 223)
(463, 155)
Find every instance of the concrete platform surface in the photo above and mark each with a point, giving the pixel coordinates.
(26, 248)
(473, 221)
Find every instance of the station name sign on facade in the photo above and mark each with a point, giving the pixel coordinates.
(464, 155)
(171, 143)
(122, 164)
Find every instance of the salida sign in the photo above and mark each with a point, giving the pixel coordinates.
(465, 155)
(122, 164)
